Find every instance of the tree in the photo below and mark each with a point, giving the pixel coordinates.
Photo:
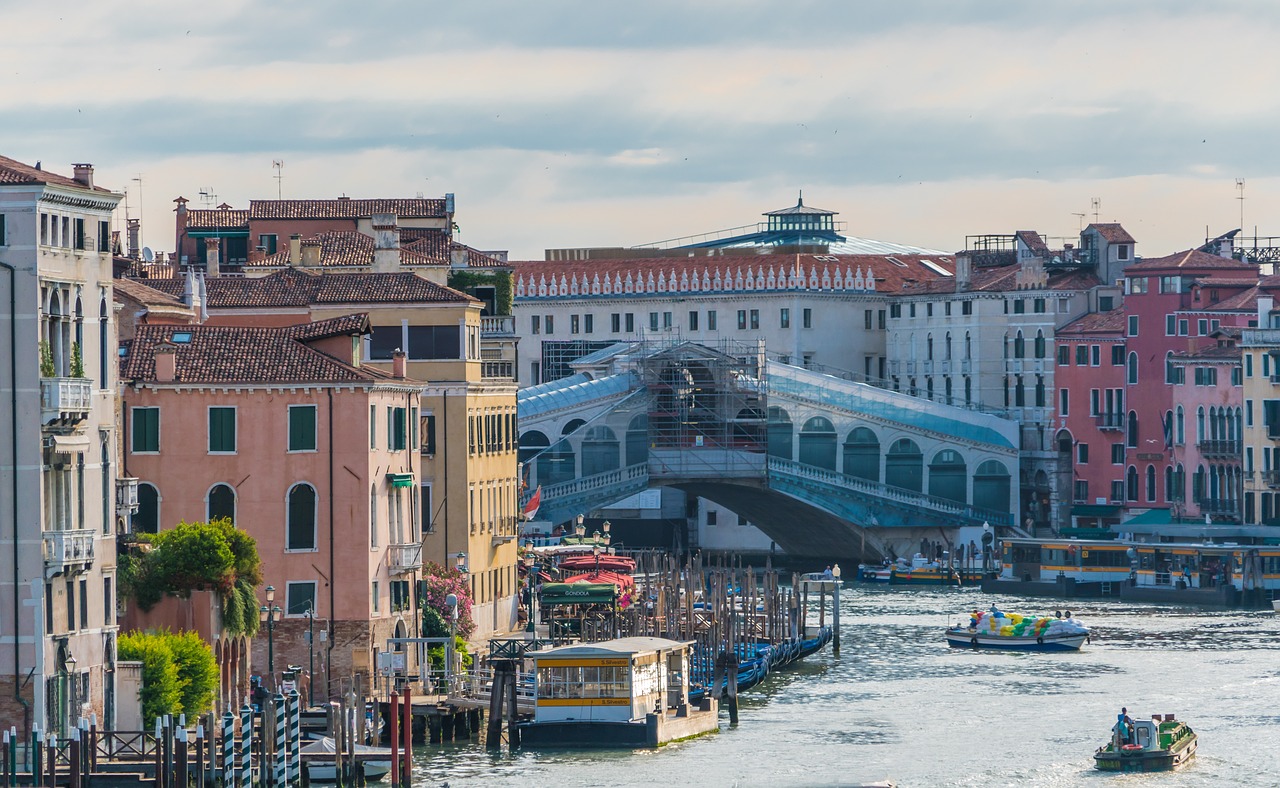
(161, 692)
(197, 672)
(438, 583)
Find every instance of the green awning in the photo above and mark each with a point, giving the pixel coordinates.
(400, 479)
(1094, 510)
(1153, 517)
(1088, 533)
(577, 593)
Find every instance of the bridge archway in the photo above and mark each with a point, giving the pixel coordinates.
(780, 431)
(638, 440)
(948, 476)
(818, 443)
(862, 454)
(599, 451)
(992, 485)
(904, 465)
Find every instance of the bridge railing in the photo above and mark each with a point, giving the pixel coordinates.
(585, 484)
(888, 492)
(888, 385)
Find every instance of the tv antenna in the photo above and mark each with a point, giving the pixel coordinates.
(1096, 204)
(1240, 188)
(1080, 216)
(279, 176)
(138, 180)
(208, 197)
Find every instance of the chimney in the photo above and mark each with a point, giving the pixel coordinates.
(166, 362)
(83, 175)
(311, 253)
(258, 254)
(1227, 246)
(397, 364)
(211, 255)
(295, 249)
(458, 256)
(180, 226)
(135, 238)
(1264, 311)
(386, 243)
(964, 271)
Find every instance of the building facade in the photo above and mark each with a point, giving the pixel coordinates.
(58, 474)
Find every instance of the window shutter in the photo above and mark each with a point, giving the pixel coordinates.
(302, 428)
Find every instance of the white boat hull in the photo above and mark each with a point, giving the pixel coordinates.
(963, 638)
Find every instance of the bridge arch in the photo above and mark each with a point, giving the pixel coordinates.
(637, 440)
(992, 485)
(862, 454)
(904, 465)
(599, 450)
(818, 443)
(948, 476)
(780, 433)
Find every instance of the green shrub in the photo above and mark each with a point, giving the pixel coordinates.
(197, 672)
(161, 691)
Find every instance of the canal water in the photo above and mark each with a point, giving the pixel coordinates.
(899, 705)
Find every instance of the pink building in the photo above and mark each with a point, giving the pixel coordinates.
(1208, 429)
(1091, 403)
(285, 431)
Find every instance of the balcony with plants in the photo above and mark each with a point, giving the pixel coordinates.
(65, 399)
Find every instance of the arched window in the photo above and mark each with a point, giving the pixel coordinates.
(301, 517)
(599, 450)
(108, 494)
(948, 476)
(818, 443)
(904, 466)
(1179, 427)
(1040, 391)
(1200, 431)
(638, 440)
(1170, 372)
(1019, 393)
(1167, 425)
(1131, 484)
(862, 455)
(373, 515)
(104, 348)
(147, 519)
(992, 486)
(1180, 483)
(1151, 483)
(1133, 430)
(1169, 491)
(1133, 369)
(1019, 345)
(1197, 485)
(1040, 344)
(928, 347)
(968, 346)
(779, 430)
(220, 503)
(968, 390)
(948, 348)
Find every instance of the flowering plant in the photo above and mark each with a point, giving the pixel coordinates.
(438, 583)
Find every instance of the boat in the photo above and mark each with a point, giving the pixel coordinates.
(872, 573)
(995, 630)
(1159, 744)
(318, 755)
(1275, 604)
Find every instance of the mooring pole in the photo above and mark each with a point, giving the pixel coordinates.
(395, 739)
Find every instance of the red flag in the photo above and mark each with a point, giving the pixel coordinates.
(531, 508)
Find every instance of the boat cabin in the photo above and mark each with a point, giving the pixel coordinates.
(619, 680)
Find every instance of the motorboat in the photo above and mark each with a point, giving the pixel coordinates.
(318, 757)
(1013, 632)
(1160, 744)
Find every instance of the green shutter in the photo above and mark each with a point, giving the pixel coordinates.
(302, 428)
(222, 429)
(146, 429)
(398, 422)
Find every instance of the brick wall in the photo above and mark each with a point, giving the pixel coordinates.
(353, 645)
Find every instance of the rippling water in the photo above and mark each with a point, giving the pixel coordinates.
(899, 704)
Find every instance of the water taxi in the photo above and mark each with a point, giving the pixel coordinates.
(1155, 745)
(995, 630)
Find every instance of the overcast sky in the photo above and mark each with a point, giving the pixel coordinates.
(601, 123)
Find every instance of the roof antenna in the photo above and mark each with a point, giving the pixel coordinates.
(800, 202)
(1097, 206)
(1240, 188)
(279, 176)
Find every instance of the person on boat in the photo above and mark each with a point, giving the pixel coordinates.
(827, 574)
(995, 612)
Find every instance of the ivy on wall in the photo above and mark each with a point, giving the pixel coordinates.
(500, 281)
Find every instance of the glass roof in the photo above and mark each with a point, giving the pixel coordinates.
(570, 392)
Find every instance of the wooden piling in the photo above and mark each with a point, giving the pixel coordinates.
(406, 753)
(395, 739)
(53, 760)
(181, 770)
(74, 759)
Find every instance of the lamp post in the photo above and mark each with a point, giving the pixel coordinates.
(531, 572)
(269, 614)
(987, 539)
(73, 684)
(461, 562)
(580, 530)
(595, 550)
(311, 655)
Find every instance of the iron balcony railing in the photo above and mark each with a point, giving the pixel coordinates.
(1109, 421)
(1219, 505)
(1219, 448)
(126, 494)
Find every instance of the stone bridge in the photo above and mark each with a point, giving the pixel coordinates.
(825, 466)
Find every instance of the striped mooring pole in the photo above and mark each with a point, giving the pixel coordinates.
(295, 733)
(228, 750)
(282, 727)
(246, 747)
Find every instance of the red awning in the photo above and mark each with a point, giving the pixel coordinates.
(614, 563)
(622, 581)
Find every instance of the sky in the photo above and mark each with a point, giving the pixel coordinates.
(568, 124)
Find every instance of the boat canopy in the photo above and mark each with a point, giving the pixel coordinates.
(577, 593)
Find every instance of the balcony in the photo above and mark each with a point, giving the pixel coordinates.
(126, 495)
(498, 369)
(1219, 506)
(68, 399)
(403, 558)
(1219, 448)
(68, 552)
(1109, 421)
(1271, 478)
(499, 326)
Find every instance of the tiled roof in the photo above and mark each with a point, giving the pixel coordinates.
(1246, 301)
(641, 276)
(1190, 260)
(145, 295)
(345, 248)
(249, 354)
(1003, 279)
(293, 287)
(344, 208)
(1112, 232)
(1228, 352)
(477, 258)
(13, 171)
(216, 219)
(1033, 241)
(1112, 322)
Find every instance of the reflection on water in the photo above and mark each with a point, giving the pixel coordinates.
(898, 703)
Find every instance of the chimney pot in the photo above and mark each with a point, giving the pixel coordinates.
(211, 255)
(398, 364)
(83, 174)
(311, 253)
(295, 249)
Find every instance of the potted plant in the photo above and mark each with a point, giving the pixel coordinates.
(46, 360)
(77, 361)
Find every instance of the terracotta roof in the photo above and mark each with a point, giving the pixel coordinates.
(1004, 279)
(1190, 260)
(344, 208)
(293, 287)
(1112, 322)
(345, 248)
(215, 219)
(1246, 301)
(1229, 352)
(1033, 241)
(1112, 232)
(13, 171)
(250, 354)
(476, 258)
(147, 296)
(720, 273)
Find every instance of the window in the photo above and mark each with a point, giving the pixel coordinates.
(535, 372)
(784, 317)
(867, 321)
(574, 324)
(71, 606)
(615, 322)
(1117, 454)
(895, 310)
(375, 596)
(1082, 453)
(966, 307)
(1202, 326)
(373, 516)
(299, 598)
(711, 320)
(2, 241)
(428, 429)
(630, 322)
(1037, 306)
(1248, 365)
(755, 318)
(221, 503)
(1064, 404)
(535, 324)
(373, 426)
(806, 318)
(268, 242)
(693, 320)
(913, 310)
(428, 343)
(711, 516)
(108, 603)
(1082, 490)
(653, 321)
(1064, 355)
(1170, 325)
(1133, 325)
(302, 428)
(1082, 355)
(397, 437)
(1182, 327)
(1237, 378)
(1133, 369)
(550, 324)
(928, 310)
(1117, 355)
(301, 516)
(222, 430)
(79, 234)
(104, 344)
(742, 319)
(666, 321)
(1095, 355)
(146, 430)
(880, 320)
(1019, 306)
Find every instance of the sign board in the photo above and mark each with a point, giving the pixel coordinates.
(390, 662)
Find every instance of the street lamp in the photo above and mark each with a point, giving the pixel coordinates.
(311, 655)
(74, 681)
(580, 530)
(531, 573)
(595, 550)
(461, 562)
(269, 614)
